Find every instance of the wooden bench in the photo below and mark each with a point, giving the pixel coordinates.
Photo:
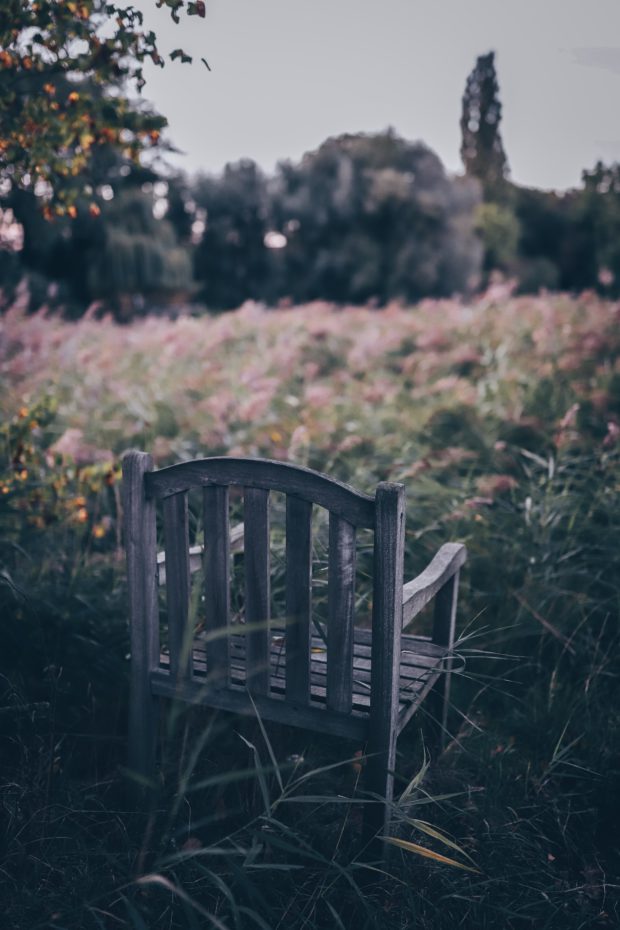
(364, 684)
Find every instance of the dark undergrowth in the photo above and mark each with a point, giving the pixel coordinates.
(251, 827)
(246, 832)
(515, 825)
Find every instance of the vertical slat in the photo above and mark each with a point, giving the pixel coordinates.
(298, 597)
(257, 588)
(444, 622)
(217, 582)
(386, 633)
(340, 614)
(140, 546)
(176, 544)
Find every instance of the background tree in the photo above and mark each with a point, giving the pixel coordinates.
(139, 262)
(71, 139)
(181, 208)
(482, 150)
(117, 248)
(599, 216)
(364, 217)
(484, 160)
(556, 246)
(231, 261)
(374, 217)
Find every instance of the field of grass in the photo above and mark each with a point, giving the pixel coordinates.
(502, 418)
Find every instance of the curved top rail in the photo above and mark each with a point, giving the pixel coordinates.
(312, 486)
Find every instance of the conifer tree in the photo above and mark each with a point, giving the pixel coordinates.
(482, 150)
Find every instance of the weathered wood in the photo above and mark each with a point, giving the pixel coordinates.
(257, 587)
(445, 614)
(359, 684)
(140, 547)
(444, 623)
(310, 485)
(176, 545)
(387, 625)
(410, 670)
(340, 612)
(280, 709)
(418, 593)
(217, 581)
(298, 597)
(413, 678)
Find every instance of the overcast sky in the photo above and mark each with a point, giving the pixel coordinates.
(286, 74)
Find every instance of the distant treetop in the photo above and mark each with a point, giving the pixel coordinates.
(482, 150)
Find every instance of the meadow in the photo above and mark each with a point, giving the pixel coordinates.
(502, 418)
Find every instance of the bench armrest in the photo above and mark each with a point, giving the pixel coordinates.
(195, 553)
(417, 593)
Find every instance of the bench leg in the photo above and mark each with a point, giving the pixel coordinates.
(379, 781)
(438, 702)
(143, 731)
(387, 624)
(140, 544)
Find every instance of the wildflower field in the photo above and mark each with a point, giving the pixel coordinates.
(502, 418)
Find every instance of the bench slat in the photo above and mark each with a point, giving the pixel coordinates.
(411, 682)
(176, 547)
(257, 587)
(217, 579)
(340, 611)
(298, 597)
(410, 660)
(278, 708)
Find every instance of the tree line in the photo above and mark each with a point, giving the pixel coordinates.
(364, 218)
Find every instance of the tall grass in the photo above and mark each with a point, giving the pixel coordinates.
(502, 420)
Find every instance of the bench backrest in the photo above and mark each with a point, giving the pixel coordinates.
(348, 510)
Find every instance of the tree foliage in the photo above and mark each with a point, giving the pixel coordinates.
(231, 261)
(482, 150)
(601, 211)
(140, 258)
(375, 217)
(123, 254)
(67, 68)
(499, 230)
(362, 218)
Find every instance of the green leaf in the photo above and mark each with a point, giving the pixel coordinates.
(179, 53)
(196, 9)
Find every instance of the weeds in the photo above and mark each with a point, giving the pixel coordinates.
(516, 455)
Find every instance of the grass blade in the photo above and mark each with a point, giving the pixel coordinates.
(428, 853)
(430, 830)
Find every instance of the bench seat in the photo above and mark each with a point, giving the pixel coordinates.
(422, 663)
